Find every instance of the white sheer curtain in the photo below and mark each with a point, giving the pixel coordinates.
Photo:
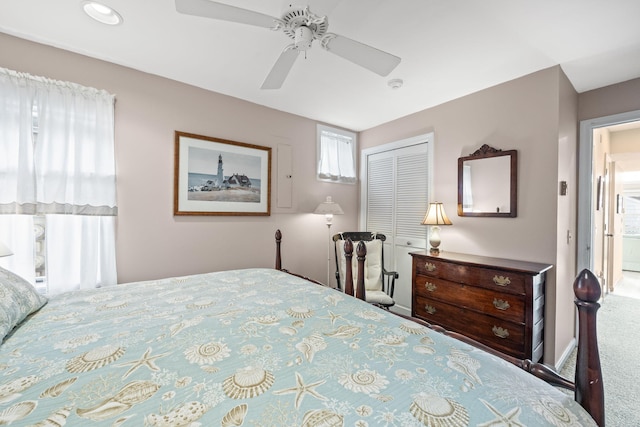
(80, 252)
(336, 161)
(57, 158)
(16, 231)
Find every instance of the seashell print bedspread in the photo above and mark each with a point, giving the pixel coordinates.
(254, 347)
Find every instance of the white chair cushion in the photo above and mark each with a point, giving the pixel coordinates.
(379, 297)
(372, 265)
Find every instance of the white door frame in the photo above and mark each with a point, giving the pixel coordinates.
(585, 182)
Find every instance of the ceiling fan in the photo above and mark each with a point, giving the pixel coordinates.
(303, 26)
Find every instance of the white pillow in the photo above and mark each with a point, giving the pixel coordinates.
(372, 264)
(18, 299)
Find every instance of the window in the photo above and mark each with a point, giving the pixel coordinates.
(57, 182)
(336, 155)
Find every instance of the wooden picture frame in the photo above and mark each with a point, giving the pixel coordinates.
(216, 176)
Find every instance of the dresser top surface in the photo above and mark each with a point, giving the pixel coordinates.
(487, 262)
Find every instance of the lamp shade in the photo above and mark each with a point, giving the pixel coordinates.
(4, 250)
(328, 207)
(436, 215)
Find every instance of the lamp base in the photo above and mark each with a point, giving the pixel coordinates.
(434, 240)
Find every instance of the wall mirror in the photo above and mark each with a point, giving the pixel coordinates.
(487, 183)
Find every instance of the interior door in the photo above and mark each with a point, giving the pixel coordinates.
(615, 224)
(395, 199)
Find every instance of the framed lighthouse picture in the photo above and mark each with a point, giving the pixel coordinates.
(216, 176)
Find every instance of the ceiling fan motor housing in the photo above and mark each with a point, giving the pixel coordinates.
(303, 26)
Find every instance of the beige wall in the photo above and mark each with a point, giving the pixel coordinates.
(606, 101)
(626, 142)
(522, 114)
(151, 242)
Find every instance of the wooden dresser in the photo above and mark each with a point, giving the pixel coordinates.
(498, 302)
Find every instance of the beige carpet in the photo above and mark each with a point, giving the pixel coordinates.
(618, 326)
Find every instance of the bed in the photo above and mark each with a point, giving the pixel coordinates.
(253, 347)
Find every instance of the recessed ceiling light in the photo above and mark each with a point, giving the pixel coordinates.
(101, 13)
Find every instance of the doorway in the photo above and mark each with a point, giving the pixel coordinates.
(603, 173)
(617, 309)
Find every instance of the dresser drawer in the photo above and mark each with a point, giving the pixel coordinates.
(500, 280)
(500, 334)
(495, 301)
(499, 304)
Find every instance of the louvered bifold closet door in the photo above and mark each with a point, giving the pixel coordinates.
(412, 195)
(380, 203)
(397, 194)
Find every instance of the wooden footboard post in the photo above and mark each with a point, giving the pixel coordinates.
(361, 251)
(348, 272)
(589, 387)
(278, 256)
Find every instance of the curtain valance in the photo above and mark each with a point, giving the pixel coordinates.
(56, 147)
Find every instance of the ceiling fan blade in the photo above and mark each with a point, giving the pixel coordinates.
(281, 68)
(373, 59)
(225, 12)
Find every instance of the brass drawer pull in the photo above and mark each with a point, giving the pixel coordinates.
(431, 287)
(500, 332)
(430, 309)
(501, 304)
(501, 280)
(430, 266)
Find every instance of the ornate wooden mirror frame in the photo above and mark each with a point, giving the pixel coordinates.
(488, 183)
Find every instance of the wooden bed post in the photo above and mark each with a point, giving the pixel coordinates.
(589, 387)
(278, 256)
(361, 251)
(348, 274)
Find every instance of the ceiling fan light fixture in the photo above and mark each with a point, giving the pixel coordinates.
(102, 13)
(304, 37)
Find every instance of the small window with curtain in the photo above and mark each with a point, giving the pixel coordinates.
(336, 155)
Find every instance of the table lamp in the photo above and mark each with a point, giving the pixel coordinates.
(435, 217)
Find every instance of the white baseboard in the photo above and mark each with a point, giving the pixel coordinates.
(401, 310)
(565, 355)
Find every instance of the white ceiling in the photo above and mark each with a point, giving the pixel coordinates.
(449, 48)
